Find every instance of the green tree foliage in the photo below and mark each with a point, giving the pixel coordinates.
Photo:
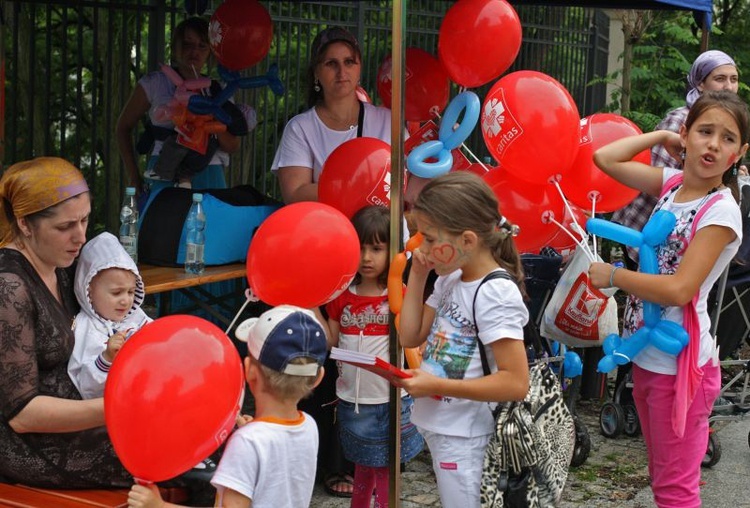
(663, 53)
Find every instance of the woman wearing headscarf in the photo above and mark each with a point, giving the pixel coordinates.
(712, 70)
(49, 437)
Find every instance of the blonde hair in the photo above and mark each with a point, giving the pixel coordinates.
(284, 386)
(461, 201)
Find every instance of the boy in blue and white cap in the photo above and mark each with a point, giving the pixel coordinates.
(270, 461)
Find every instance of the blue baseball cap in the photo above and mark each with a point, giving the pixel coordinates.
(282, 334)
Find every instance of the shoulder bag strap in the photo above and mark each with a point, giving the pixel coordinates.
(361, 120)
(495, 274)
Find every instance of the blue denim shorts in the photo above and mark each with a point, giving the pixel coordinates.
(364, 435)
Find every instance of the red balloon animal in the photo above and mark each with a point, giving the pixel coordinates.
(479, 40)
(304, 254)
(530, 126)
(172, 396)
(240, 33)
(357, 173)
(427, 87)
(585, 182)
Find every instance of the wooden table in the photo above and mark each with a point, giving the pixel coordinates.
(161, 280)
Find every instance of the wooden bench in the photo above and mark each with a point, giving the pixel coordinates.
(161, 280)
(20, 496)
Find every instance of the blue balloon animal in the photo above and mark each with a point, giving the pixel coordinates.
(448, 137)
(202, 105)
(665, 335)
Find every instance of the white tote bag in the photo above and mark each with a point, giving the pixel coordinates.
(577, 314)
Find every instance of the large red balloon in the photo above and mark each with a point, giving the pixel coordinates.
(357, 173)
(479, 40)
(240, 33)
(172, 396)
(303, 254)
(529, 206)
(427, 87)
(530, 124)
(585, 182)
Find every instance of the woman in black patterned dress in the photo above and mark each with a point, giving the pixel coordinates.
(49, 437)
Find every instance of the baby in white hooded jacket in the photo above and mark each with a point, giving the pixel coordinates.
(110, 292)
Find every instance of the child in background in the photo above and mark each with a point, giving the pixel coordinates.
(269, 462)
(674, 395)
(109, 290)
(359, 321)
(465, 238)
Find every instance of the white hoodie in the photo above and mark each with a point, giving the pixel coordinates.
(87, 367)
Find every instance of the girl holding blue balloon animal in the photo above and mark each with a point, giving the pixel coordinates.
(674, 395)
(465, 239)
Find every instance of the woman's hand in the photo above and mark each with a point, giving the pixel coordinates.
(145, 497)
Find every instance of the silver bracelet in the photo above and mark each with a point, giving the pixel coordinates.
(612, 276)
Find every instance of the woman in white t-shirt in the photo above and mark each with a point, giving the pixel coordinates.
(336, 115)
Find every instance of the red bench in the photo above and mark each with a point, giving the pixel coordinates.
(20, 496)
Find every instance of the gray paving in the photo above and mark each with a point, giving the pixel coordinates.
(614, 475)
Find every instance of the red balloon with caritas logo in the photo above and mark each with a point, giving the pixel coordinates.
(240, 33)
(530, 126)
(585, 184)
(357, 173)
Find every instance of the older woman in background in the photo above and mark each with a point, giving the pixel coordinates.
(712, 70)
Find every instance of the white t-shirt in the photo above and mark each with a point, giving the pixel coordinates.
(724, 212)
(271, 463)
(160, 91)
(307, 141)
(452, 351)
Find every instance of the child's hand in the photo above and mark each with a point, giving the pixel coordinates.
(114, 344)
(673, 145)
(243, 420)
(148, 496)
(600, 274)
(421, 384)
(419, 264)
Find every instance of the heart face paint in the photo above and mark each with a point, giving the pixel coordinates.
(441, 248)
(444, 253)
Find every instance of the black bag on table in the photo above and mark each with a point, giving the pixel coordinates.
(232, 217)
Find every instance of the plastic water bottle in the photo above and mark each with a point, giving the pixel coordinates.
(616, 257)
(129, 224)
(196, 236)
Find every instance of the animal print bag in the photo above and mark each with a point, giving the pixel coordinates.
(527, 458)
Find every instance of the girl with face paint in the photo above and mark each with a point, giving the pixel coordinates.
(465, 239)
(674, 395)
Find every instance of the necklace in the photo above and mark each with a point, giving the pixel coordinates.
(681, 229)
(338, 123)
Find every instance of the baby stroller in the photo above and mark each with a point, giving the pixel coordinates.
(542, 273)
(731, 327)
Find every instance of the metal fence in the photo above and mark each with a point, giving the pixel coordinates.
(71, 65)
